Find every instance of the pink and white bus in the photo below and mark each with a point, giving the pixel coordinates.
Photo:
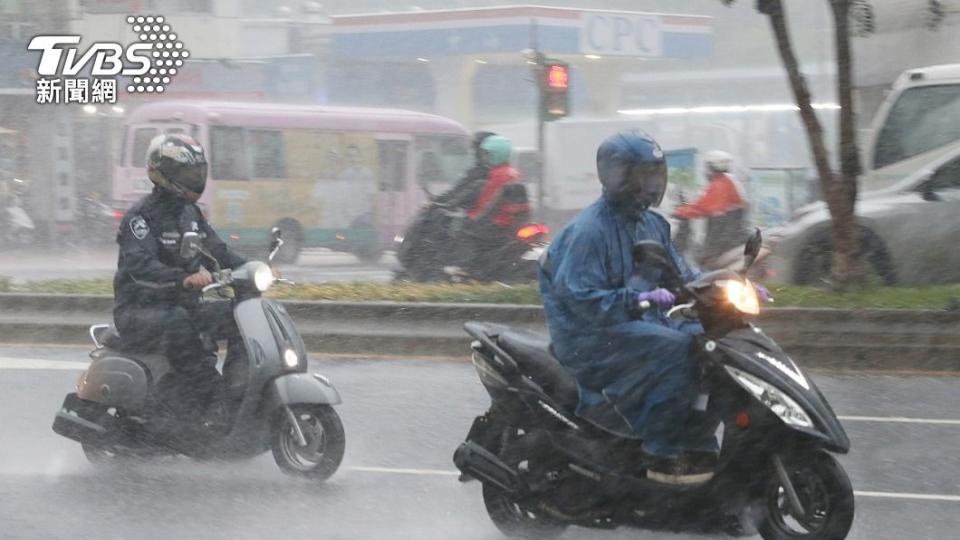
(349, 179)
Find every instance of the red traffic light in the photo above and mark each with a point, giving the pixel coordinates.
(558, 76)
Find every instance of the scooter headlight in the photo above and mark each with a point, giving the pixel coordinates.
(742, 295)
(290, 358)
(262, 277)
(781, 404)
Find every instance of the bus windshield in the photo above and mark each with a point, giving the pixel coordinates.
(922, 119)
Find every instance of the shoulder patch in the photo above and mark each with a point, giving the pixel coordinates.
(139, 227)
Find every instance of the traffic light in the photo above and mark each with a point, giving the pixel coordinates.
(554, 90)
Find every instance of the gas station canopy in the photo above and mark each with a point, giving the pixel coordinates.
(508, 30)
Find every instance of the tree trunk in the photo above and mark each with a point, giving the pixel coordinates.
(842, 194)
(844, 226)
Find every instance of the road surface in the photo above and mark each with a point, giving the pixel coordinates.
(403, 419)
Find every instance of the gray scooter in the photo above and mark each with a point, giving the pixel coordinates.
(270, 401)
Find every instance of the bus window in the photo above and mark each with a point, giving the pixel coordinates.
(923, 118)
(267, 152)
(442, 160)
(393, 165)
(228, 154)
(141, 141)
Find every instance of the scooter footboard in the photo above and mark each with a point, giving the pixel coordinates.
(300, 388)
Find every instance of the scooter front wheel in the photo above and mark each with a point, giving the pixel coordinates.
(823, 490)
(325, 440)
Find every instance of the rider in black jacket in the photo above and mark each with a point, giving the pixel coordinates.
(157, 294)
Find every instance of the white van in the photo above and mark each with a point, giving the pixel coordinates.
(918, 123)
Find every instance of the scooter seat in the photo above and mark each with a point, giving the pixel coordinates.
(532, 354)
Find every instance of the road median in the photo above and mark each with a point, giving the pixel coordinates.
(845, 339)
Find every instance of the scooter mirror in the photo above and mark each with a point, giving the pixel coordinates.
(752, 249)
(189, 245)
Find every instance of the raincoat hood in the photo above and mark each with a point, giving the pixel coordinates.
(632, 170)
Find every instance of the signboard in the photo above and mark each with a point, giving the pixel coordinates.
(621, 34)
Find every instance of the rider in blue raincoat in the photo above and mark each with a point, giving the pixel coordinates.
(634, 368)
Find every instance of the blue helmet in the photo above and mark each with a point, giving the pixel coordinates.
(632, 169)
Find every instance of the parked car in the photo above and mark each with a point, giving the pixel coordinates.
(907, 232)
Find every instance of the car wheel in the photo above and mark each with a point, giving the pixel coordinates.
(816, 259)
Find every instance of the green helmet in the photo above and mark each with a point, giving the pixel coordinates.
(498, 149)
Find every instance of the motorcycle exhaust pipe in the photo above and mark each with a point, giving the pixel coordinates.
(77, 428)
(476, 462)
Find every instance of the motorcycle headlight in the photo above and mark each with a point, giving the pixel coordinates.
(262, 277)
(742, 295)
(781, 404)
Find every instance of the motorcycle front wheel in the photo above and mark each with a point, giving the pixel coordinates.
(326, 442)
(824, 491)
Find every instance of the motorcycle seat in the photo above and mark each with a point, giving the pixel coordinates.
(532, 353)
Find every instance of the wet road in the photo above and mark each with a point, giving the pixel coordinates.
(403, 418)
(314, 265)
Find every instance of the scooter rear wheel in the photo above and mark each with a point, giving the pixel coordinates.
(104, 457)
(326, 442)
(825, 493)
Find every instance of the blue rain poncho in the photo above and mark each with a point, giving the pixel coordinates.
(636, 376)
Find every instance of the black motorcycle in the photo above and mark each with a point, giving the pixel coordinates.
(443, 245)
(270, 401)
(543, 468)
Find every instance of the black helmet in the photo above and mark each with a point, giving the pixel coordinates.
(632, 169)
(176, 163)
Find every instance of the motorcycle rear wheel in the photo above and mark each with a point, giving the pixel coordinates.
(825, 492)
(326, 442)
(516, 520)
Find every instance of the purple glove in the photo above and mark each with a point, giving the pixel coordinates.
(662, 298)
(762, 293)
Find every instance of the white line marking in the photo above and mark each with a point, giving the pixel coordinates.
(38, 363)
(913, 496)
(900, 420)
(390, 470)
(866, 494)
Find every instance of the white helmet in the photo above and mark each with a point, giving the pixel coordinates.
(718, 161)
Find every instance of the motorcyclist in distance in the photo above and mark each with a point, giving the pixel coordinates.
(157, 294)
(465, 192)
(724, 206)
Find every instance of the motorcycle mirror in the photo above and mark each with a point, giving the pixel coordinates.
(189, 245)
(751, 250)
(276, 240)
(650, 253)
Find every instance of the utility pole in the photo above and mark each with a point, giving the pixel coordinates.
(537, 59)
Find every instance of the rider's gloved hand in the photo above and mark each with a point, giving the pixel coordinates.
(762, 293)
(198, 280)
(662, 298)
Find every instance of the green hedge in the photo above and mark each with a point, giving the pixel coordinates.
(937, 297)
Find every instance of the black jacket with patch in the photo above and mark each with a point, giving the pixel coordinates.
(150, 272)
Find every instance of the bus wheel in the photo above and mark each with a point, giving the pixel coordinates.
(292, 235)
(369, 253)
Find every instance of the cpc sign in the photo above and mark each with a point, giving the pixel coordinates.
(621, 35)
